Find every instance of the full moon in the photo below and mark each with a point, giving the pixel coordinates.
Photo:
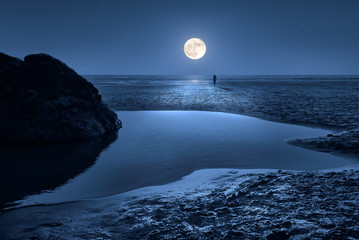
(194, 48)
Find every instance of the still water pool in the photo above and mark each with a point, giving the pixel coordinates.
(158, 147)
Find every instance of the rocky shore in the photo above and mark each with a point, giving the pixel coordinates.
(346, 142)
(223, 205)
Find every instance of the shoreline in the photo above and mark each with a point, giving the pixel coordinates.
(200, 175)
(207, 203)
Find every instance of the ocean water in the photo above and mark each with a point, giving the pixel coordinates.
(159, 147)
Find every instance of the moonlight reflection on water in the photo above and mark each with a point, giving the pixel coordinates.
(158, 147)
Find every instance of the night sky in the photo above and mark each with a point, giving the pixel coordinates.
(243, 37)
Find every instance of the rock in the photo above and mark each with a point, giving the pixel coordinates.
(42, 99)
(278, 235)
(345, 142)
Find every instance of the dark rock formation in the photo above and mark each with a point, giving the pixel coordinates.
(346, 142)
(42, 99)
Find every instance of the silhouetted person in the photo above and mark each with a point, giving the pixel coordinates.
(214, 79)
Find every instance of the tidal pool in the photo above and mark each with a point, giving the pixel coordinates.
(158, 147)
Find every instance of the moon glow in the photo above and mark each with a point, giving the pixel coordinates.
(195, 48)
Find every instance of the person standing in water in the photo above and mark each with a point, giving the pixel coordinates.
(214, 79)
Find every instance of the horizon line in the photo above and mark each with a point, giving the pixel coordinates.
(245, 75)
